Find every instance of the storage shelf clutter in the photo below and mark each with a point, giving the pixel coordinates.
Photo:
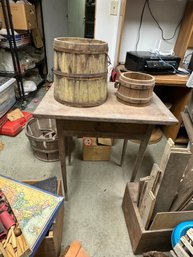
(7, 94)
(21, 47)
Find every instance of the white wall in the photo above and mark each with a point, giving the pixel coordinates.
(76, 14)
(167, 12)
(55, 25)
(106, 26)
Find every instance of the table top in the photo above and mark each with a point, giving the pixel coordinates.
(110, 111)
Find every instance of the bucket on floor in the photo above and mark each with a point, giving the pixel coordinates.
(135, 88)
(80, 71)
(43, 139)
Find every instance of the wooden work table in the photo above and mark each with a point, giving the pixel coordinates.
(111, 119)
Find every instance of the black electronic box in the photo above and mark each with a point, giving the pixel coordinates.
(145, 61)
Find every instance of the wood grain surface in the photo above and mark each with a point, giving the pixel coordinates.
(176, 164)
(110, 111)
(185, 189)
(166, 220)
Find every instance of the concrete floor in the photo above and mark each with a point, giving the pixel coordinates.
(93, 214)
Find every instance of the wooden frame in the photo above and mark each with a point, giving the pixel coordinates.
(142, 240)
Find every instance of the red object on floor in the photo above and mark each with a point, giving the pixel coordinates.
(3, 120)
(12, 128)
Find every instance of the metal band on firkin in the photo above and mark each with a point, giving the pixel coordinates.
(82, 76)
(79, 51)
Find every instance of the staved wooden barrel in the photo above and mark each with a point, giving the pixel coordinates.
(135, 88)
(43, 138)
(80, 71)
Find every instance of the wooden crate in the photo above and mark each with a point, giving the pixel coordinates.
(51, 245)
(142, 240)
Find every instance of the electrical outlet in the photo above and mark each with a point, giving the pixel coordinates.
(114, 7)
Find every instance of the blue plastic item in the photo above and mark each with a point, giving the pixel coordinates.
(180, 230)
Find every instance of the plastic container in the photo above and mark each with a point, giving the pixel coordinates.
(7, 95)
(12, 128)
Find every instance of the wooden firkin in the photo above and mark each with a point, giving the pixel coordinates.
(142, 240)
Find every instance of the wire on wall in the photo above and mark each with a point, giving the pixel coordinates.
(147, 3)
(162, 32)
(140, 24)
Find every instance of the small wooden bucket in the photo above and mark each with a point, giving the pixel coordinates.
(135, 88)
(43, 138)
(80, 71)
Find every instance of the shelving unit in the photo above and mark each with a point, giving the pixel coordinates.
(13, 48)
(19, 71)
(172, 89)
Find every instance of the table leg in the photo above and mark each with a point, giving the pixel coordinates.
(62, 157)
(141, 152)
(69, 145)
(123, 151)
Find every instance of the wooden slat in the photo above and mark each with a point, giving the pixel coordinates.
(188, 206)
(121, 26)
(166, 220)
(176, 164)
(190, 45)
(185, 189)
(173, 253)
(188, 125)
(185, 32)
(179, 250)
(150, 185)
(187, 244)
(142, 192)
(148, 210)
(166, 154)
(141, 189)
(190, 234)
(184, 204)
(156, 183)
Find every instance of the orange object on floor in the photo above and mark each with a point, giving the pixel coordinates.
(75, 250)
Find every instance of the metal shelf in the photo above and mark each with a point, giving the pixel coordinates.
(13, 48)
(7, 74)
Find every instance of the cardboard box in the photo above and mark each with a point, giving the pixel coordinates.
(96, 149)
(51, 245)
(23, 16)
